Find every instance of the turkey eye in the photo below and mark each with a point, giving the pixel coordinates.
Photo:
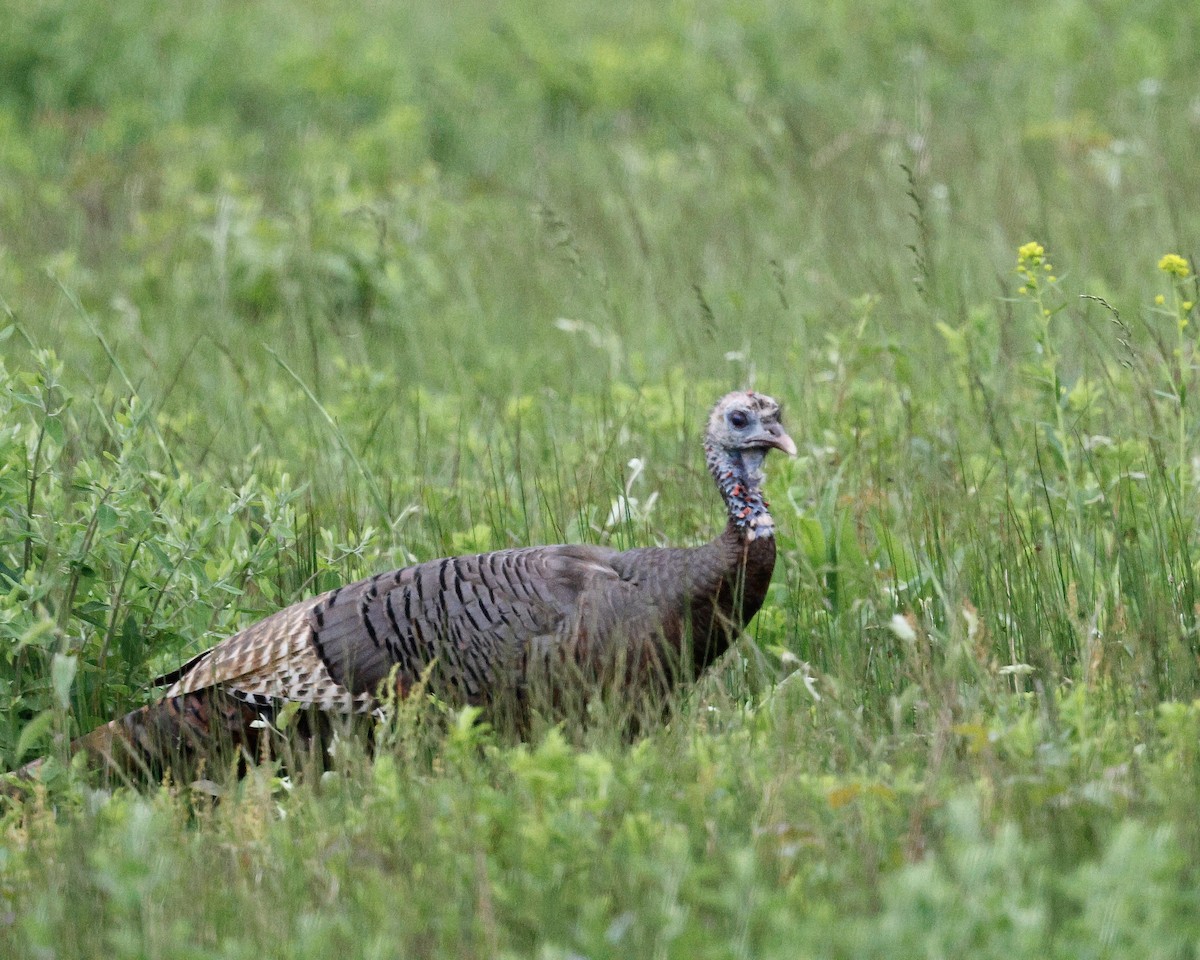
(738, 420)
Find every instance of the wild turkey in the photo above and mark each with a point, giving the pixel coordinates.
(491, 629)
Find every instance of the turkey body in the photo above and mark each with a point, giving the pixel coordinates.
(482, 627)
(532, 628)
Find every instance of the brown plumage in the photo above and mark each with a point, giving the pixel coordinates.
(504, 630)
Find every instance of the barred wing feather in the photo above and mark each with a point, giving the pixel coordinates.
(477, 616)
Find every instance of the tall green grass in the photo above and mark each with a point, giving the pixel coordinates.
(294, 293)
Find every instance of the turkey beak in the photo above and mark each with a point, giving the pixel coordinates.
(776, 437)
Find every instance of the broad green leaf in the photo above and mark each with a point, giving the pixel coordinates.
(33, 733)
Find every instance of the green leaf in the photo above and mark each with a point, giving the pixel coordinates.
(34, 732)
(849, 552)
(62, 675)
(812, 541)
(54, 430)
(106, 517)
(94, 612)
(287, 714)
(39, 634)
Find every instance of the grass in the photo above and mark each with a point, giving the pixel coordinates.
(292, 294)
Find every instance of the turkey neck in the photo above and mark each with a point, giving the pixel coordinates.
(739, 562)
(726, 582)
(738, 475)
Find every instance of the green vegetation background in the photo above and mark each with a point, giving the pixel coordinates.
(294, 292)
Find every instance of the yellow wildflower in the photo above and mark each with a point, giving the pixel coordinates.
(1030, 256)
(1174, 263)
(1187, 304)
(1160, 300)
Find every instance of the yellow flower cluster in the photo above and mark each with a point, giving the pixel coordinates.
(1175, 264)
(1031, 256)
(1032, 251)
(1177, 267)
